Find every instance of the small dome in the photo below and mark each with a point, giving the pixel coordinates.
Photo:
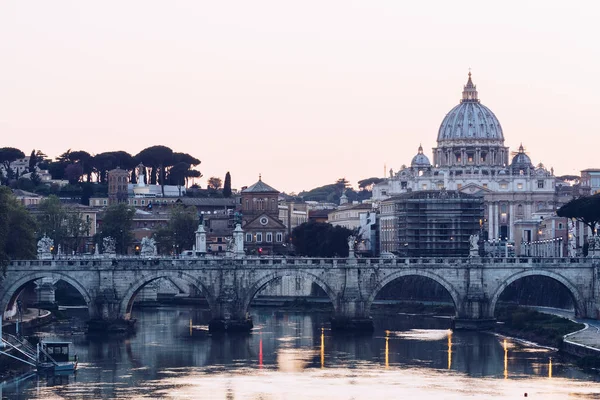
(420, 160)
(521, 161)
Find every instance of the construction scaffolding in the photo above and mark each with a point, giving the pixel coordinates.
(435, 223)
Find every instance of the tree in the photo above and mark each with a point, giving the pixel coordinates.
(159, 158)
(227, 186)
(367, 184)
(73, 172)
(84, 160)
(180, 232)
(57, 169)
(320, 239)
(585, 209)
(7, 156)
(17, 230)
(32, 161)
(51, 220)
(178, 174)
(77, 227)
(116, 223)
(214, 183)
(183, 224)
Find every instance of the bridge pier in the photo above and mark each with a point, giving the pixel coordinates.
(229, 316)
(352, 316)
(45, 294)
(107, 318)
(474, 314)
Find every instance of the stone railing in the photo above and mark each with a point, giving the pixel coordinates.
(136, 262)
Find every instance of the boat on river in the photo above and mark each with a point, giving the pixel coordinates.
(49, 356)
(54, 356)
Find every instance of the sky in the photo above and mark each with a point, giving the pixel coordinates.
(302, 92)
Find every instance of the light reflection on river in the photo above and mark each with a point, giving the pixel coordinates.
(293, 356)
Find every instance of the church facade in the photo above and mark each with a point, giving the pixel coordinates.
(470, 157)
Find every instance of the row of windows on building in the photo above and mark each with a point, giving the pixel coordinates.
(503, 186)
(261, 204)
(268, 237)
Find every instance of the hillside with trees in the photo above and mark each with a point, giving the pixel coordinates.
(87, 174)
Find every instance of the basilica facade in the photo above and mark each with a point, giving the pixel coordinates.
(470, 157)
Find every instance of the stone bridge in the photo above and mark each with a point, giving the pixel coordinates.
(110, 286)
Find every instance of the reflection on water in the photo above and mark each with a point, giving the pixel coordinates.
(294, 356)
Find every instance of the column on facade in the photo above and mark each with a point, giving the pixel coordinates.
(560, 248)
(490, 220)
(463, 158)
(477, 156)
(511, 221)
(496, 222)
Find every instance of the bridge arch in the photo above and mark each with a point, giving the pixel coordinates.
(131, 293)
(297, 273)
(456, 298)
(578, 300)
(10, 295)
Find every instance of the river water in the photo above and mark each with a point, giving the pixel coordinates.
(292, 355)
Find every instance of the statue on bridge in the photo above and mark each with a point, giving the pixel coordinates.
(44, 248)
(351, 245)
(109, 245)
(148, 247)
(474, 245)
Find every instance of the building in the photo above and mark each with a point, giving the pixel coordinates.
(348, 215)
(470, 157)
(590, 178)
(27, 198)
(264, 233)
(292, 214)
(430, 223)
(118, 180)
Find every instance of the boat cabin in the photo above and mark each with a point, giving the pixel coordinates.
(59, 351)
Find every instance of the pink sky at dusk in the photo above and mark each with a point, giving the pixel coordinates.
(302, 92)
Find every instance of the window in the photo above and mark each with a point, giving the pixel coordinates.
(424, 186)
(520, 186)
(269, 237)
(143, 202)
(503, 186)
(248, 237)
(520, 210)
(259, 237)
(298, 283)
(458, 186)
(540, 184)
(279, 237)
(560, 225)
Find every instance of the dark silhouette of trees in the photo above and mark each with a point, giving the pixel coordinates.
(116, 223)
(8, 155)
(158, 158)
(51, 220)
(320, 239)
(367, 184)
(32, 161)
(227, 185)
(214, 183)
(73, 172)
(180, 233)
(585, 209)
(17, 230)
